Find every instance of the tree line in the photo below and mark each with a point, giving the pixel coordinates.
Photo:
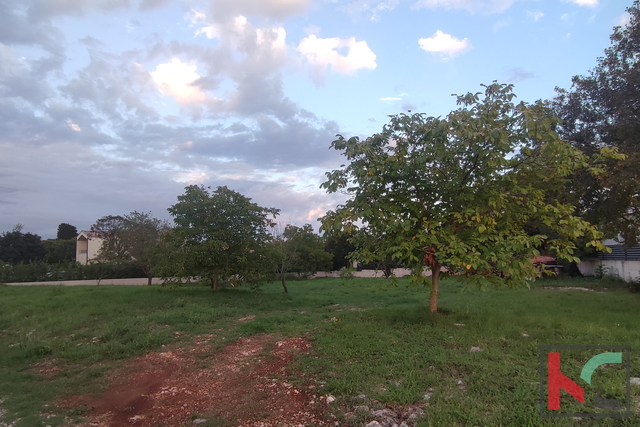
(218, 236)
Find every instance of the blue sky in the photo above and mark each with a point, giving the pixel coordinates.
(111, 106)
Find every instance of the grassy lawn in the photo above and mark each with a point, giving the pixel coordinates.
(372, 339)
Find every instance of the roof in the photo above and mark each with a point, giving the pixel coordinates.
(91, 234)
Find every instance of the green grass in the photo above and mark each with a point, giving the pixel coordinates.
(371, 338)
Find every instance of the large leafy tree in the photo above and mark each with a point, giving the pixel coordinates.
(17, 247)
(218, 234)
(602, 109)
(297, 250)
(139, 239)
(458, 193)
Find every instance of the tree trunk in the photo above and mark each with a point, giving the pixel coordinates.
(435, 286)
(147, 272)
(214, 283)
(284, 284)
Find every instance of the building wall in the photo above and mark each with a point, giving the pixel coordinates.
(627, 270)
(81, 249)
(87, 248)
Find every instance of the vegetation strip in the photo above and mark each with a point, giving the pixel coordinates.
(373, 344)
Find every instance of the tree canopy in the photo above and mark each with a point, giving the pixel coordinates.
(17, 247)
(457, 193)
(217, 234)
(138, 238)
(338, 245)
(66, 232)
(108, 227)
(297, 250)
(602, 110)
(60, 251)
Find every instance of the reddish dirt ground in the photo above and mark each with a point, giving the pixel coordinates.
(244, 384)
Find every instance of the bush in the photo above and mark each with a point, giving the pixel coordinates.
(346, 273)
(601, 272)
(42, 272)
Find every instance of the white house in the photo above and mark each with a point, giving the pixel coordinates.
(88, 244)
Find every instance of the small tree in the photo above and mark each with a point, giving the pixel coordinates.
(457, 193)
(297, 250)
(218, 234)
(67, 232)
(108, 228)
(138, 239)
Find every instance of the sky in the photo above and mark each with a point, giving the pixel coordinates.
(114, 106)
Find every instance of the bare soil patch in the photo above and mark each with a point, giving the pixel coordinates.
(244, 384)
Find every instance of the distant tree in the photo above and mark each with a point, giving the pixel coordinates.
(67, 232)
(59, 251)
(601, 110)
(138, 239)
(218, 234)
(458, 192)
(17, 247)
(339, 246)
(108, 228)
(297, 250)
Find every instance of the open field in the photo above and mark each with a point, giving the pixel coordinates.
(353, 337)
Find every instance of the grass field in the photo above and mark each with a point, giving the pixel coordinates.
(372, 339)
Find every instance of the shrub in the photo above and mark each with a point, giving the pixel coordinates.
(43, 272)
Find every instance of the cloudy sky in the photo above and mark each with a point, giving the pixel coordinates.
(111, 106)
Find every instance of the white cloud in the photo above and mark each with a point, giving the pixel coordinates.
(274, 38)
(210, 31)
(322, 53)
(589, 3)
(196, 16)
(73, 126)
(240, 23)
(191, 177)
(176, 79)
(318, 211)
(444, 44)
(482, 6)
(394, 98)
(535, 15)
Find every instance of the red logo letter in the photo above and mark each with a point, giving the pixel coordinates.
(557, 380)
